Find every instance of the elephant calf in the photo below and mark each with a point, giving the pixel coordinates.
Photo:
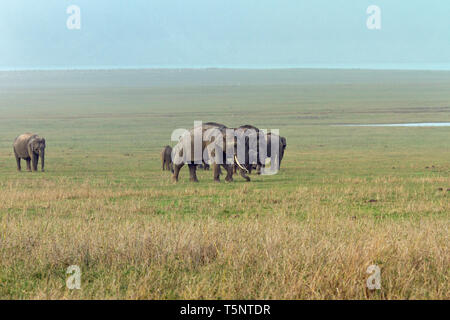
(166, 158)
(30, 147)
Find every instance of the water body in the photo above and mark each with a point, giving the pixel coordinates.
(420, 124)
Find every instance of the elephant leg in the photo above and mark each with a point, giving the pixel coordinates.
(193, 172)
(243, 175)
(28, 164)
(258, 168)
(163, 162)
(229, 169)
(176, 171)
(19, 168)
(216, 172)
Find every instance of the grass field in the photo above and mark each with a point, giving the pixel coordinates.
(345, 198)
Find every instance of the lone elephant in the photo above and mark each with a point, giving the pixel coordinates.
(30, 147)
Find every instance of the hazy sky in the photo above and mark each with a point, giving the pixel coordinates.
(224, 33)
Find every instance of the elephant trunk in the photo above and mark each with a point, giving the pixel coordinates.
(34, 161)
(42, 155)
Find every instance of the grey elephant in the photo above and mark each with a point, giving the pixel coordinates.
(209, 147)
(251, 132)
(205, 166)
(215, 124)
(282, 144)
(276, 158)
(30, 147)
(166, 159)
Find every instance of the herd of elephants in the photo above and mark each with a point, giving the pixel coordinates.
(30, 147)
(265, 147)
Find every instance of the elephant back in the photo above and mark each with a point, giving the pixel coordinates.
(21, 144)
(24, 138)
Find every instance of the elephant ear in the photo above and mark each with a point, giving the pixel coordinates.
(177, 154)
(34, 144)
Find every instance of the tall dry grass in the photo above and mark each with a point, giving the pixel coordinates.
(252, 244)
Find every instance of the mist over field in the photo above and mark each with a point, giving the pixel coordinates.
(344, 199)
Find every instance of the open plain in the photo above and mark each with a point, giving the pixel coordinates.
(345, 197)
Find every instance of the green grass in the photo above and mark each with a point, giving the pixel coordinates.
(310, 231)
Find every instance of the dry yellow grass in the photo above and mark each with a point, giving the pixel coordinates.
(306, 247)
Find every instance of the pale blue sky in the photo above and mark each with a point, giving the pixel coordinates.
(224, 33)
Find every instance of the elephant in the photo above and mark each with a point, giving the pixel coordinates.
(282, 144)
(215, 124)
(266, 144)
(209, 146)
(260, 141)
(166, 158)
(29, 147)
(205, 166)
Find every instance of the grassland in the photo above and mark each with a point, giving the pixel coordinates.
(346, 197)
